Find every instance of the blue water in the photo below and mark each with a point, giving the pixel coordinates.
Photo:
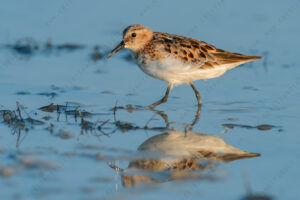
(262, 92)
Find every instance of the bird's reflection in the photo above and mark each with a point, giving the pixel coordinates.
(177, 155)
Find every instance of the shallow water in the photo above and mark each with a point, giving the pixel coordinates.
(74, 150)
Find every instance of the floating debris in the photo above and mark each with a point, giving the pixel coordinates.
(15, 121)
(100, 156)
(22, 93)
(34, 163)
(46, 118)
(257, 197)
(8, 115)
(261, 127)
(232, 119)
(96, 55)
(5, 171)
(128, 108)
(126, 126)
(250, 88)
(65, 135)
(264, 127)
(52, 108)
(26, 46)
(47, 94)
(69, 46)
(74, 110)
(107, 92)
(23, 162)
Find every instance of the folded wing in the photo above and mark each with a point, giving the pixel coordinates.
(199, 53)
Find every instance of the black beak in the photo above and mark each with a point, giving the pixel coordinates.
(119, 47)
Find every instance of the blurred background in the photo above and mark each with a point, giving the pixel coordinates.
(60, 126)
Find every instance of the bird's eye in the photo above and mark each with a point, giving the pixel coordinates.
(133, 35)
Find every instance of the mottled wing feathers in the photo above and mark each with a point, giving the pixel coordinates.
(227, 57)
(186, 49)
(197, 52)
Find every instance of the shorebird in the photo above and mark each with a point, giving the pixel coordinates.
(177, 59)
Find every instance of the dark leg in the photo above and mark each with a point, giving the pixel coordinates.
(196, 93)
(164, 99)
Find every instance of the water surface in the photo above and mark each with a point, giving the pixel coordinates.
(51, 55)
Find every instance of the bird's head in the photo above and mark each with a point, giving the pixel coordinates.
(135, 37)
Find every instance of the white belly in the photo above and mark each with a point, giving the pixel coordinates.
(176, 72)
